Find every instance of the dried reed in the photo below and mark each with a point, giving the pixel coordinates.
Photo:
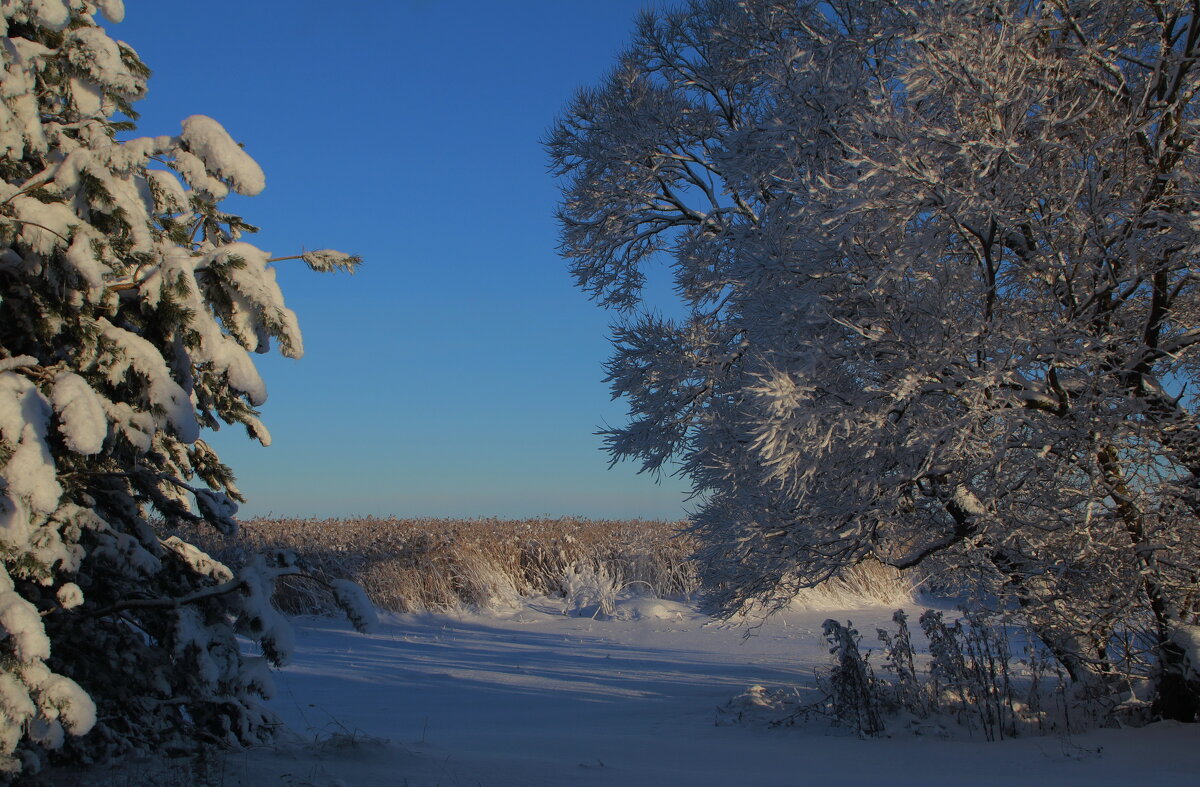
(409, 565)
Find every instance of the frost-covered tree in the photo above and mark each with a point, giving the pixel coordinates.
(129, 306)
(937, 261)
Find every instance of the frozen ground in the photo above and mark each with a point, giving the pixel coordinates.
(536, 697)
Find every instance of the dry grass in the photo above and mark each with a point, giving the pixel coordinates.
(409, 565)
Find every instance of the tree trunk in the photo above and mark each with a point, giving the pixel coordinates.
(1175, 696)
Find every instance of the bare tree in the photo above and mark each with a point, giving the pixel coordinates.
(937, 259)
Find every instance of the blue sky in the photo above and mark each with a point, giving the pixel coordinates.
(459, 373)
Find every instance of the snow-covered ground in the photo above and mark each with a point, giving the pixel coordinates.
(536, 697)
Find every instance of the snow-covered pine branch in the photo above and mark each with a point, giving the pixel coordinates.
(326, 260)
(941, 307)
(130, 306)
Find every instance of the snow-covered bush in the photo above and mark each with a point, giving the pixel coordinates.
(969, 682)
(590, 590)
(936, 269)
(129, 306)
(969, 673)
(853, 693)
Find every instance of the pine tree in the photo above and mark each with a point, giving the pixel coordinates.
(129, 306)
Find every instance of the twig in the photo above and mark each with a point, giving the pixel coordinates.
(39, 226)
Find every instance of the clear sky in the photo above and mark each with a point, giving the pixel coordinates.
(460, 372)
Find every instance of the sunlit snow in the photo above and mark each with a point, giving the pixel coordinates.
(538, 697)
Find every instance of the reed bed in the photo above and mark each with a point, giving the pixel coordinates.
(411, 565)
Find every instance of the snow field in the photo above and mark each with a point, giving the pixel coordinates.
(542, 696)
